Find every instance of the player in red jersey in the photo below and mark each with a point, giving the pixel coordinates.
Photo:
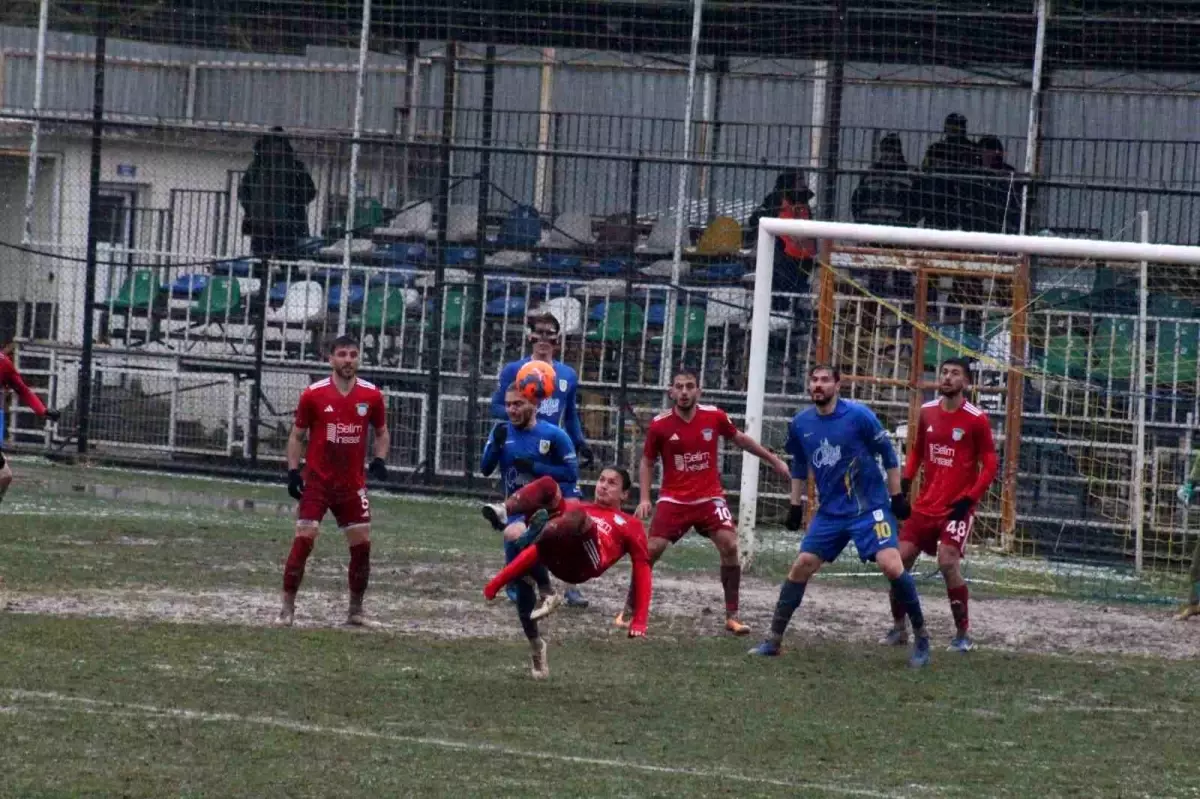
(691, 496)
(335, 413)
(955, 452)
(10, 379)
(577, 541)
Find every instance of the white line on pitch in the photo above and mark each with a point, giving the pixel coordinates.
(121, 708)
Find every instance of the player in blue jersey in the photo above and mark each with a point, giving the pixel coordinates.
(837, 441)
(526, 448)
(561, 408)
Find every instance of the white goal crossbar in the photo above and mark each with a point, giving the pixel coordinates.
(1143, 252)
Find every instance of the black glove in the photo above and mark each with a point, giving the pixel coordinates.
(500, 434)
(295, 484)
(960, 507)
(906, 486)
(795, 517)
(2, 461)
(53, 416)
(900, 507)
(523, 465)
(378, 470)
(586, 458)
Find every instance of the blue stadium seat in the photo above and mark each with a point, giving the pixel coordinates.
(187, 286)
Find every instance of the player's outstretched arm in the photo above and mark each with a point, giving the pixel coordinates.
(912, 464)
(756, 449)
(10, 375)
(641, 581)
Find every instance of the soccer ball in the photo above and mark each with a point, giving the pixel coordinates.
(535, 381)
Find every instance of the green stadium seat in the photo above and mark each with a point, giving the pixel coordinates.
(136, 295)
(220, 298)
(1066, 356)
(612, 326)
(1114, 349)
(1171, 365)
(689, 327)
(382, 310)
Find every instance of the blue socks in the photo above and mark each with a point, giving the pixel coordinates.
(790, 595)
(906, 592)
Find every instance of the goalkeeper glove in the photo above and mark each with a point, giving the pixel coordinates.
(1185, 492)
(53, 416)
(295, 484)
(378, 470)
(500, 434)
(586, 458)
(900, 507)
(795, 517)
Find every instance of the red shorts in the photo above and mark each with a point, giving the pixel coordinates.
(570, 558)
(672, 521)
(349, 506)
(928, 531)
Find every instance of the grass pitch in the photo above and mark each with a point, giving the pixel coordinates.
(136, 660)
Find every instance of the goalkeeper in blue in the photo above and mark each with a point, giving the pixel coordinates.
(836, 441)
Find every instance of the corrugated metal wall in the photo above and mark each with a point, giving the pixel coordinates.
(1105, 154)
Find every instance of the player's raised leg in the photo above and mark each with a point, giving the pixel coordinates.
(543, 492)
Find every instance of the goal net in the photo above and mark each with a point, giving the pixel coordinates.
(1084, 357)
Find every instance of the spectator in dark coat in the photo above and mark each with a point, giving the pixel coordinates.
(274, 195)
(884, 195)
(944, 187)
(998, 204)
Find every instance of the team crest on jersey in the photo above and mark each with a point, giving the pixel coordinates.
(361, 408)
(826, 455)
(562, 386)
(707, 433)
(544, 446)
(958, 433)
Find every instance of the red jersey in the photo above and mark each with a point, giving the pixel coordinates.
(956, 451)
(10, 378)
(337, 431)
(689, 453)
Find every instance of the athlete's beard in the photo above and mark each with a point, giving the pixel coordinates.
(950, 394)
(822, 402)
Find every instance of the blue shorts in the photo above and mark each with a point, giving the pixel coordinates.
(827, 536)
(1, 424)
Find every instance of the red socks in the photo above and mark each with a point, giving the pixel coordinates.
(958, 607)
(541, 493)
(293, 570)
(731, 581)
(359, 572)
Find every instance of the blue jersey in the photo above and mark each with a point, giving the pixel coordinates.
(839, 450)
(559, 409)
(544, 445)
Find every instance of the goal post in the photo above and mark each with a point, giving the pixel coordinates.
(1102, 424)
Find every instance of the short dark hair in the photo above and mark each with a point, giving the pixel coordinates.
(686, 371)
(343, 341)
(544, 319)
(825, 367)
(626, 480)
(961, 363)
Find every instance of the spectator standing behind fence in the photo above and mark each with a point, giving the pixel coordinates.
(274, 195)
(997, 206)
(884, 196)
(947, 170)
(793, 255)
